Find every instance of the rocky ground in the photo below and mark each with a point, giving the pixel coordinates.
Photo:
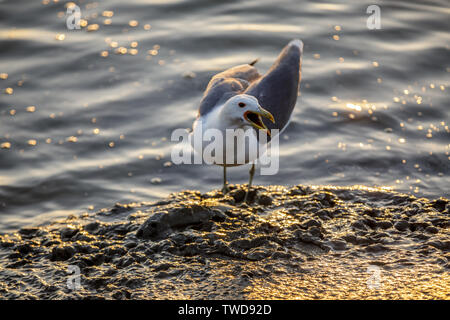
(285, 243)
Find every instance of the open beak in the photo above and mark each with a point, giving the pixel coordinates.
(254, 118)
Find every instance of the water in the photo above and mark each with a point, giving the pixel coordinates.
(374, 105)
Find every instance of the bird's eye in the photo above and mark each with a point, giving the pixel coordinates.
(241, 104)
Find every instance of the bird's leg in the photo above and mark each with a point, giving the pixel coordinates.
(250, 180)
(225, 188)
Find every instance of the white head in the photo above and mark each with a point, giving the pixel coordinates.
(244, 110)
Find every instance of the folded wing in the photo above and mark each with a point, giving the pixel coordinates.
(226, 84)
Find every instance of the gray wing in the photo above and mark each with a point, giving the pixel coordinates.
(277, 90)
(226, 84)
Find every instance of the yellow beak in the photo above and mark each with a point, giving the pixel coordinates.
(254, 118)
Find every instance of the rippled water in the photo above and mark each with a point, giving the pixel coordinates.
(86, 116)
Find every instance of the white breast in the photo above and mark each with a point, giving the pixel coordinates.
(238, 147)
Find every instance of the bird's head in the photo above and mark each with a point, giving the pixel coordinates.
(245, 110)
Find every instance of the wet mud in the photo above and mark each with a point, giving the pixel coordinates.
(286, 243)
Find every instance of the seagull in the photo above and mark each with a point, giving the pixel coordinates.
(242, 98)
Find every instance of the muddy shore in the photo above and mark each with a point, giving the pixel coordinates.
(287, 243)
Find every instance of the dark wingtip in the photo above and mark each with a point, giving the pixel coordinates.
(254, 62)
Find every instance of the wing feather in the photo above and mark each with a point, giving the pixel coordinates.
(226, 84)
(277, 90)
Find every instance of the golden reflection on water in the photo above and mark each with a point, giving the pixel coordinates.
(26, 34)
(5, 145)
(108, 14)
(31, 109)
(353, 106)
(133, 23)
(364, 105)
(267, 27)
